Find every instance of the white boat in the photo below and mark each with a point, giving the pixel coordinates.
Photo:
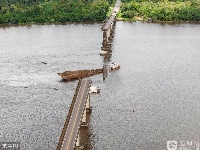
(114, 66)
(94, 89)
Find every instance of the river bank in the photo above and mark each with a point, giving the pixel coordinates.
(62, 12)
(167, 11)
(53, 12)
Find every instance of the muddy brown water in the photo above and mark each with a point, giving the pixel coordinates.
(153, 98)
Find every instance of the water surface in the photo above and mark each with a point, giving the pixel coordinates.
(153, 98)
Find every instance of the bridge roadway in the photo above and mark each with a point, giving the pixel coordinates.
(72, 131)
(106, 26)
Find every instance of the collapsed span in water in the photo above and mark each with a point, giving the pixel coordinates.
(78, 74)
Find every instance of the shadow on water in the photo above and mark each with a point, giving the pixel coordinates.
(67, 81)
(85, 135)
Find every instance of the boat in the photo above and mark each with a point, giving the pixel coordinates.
(94, 89)
(114, 66)
(77, 74)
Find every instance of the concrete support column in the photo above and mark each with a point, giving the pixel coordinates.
(88, 108)
(78, 141)
(111, 27)
(108, 34)
(109, 39)
(84, 119)
(84, 116)
(104, 38)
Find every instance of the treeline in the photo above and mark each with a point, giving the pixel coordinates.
(161, 10)
(52, 11)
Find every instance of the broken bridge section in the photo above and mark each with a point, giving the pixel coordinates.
(70, 138)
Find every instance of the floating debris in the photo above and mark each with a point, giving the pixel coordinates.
(44, 62)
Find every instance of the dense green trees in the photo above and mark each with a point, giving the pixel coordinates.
(52, 11)
(60, 11)
(162, 10)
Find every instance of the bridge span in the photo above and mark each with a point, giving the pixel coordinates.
(76, 117)
(108, 27)
(69, 139)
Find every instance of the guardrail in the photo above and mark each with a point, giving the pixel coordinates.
(68, 116)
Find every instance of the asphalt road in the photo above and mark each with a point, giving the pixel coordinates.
(76, 117)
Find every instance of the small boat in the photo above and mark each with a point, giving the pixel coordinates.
(73, 75)
(114, 66)
(94, 89)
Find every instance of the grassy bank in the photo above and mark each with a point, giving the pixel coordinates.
(165, 10)
(52, 11)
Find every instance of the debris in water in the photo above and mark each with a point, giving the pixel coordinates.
(44, 62)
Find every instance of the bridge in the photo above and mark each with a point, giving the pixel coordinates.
(70, 137)
(108, 27)
(76, 117)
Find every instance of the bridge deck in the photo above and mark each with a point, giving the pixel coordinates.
(72, 130)
(113, 16)
(108, 23)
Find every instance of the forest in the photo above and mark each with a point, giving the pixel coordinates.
(160, 10)
(62, 11)
(52, 11)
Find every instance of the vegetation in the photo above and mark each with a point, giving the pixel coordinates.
(161, 10)
(61, 11)
(52, 11)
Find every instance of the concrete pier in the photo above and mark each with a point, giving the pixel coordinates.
(108, 27)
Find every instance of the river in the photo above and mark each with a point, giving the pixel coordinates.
(152, 99)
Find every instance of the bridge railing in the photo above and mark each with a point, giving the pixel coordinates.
(68, 116)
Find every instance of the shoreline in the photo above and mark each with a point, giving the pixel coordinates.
(32, 24)
(158, 21)
(99, 22)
